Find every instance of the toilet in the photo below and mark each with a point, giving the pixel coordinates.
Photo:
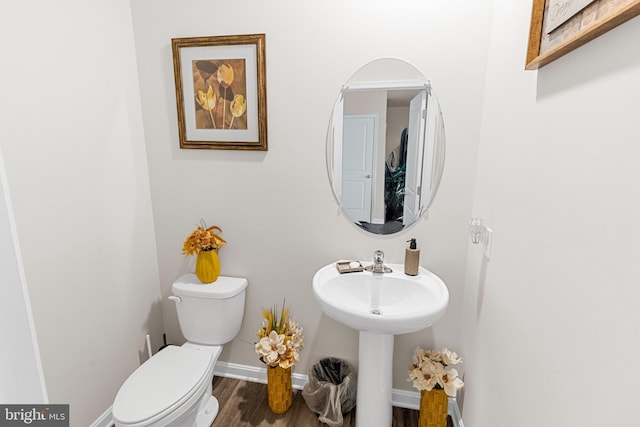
(174, 387)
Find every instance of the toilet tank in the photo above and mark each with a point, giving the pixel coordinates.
(209, 314)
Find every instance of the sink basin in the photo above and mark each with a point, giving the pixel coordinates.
(379, 306)
(391, 303)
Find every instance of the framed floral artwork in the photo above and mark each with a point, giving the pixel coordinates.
(221, 92)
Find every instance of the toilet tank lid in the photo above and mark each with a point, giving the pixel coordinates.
(223, 287)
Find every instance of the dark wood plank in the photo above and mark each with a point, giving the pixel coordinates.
(244, 404)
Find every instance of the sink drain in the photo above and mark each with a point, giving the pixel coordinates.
(376, 311)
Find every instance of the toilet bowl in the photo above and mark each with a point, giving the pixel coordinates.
(171, 388)
(174, 387)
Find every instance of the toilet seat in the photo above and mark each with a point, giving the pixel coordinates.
(173, 377)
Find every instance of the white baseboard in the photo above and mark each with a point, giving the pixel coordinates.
(405, 399)
(400, 398)
(105, 420)
(253, 374)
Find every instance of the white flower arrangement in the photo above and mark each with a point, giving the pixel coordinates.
(431, 370)
(280, 339)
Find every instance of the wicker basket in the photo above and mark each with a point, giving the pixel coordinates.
(279, 389)
(433, 408)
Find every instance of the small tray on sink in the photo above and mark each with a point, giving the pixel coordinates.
(346, 267)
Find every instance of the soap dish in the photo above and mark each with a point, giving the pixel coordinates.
(349, 266)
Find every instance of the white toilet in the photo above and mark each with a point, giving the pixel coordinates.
(173, 388)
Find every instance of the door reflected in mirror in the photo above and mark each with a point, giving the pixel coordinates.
(385, 147)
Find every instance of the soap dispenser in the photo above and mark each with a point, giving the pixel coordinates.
(411, 258)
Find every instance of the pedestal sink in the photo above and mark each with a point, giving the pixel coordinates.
(379, 306)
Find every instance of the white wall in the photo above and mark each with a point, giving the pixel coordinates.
(21, 377)
(552, 318)
(73, 144)
(276, 208)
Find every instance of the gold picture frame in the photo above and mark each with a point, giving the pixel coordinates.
(595, 19)
(221, 92)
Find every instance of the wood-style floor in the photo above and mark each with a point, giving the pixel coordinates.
(244, 403)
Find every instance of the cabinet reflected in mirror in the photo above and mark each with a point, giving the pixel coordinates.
(385, 146)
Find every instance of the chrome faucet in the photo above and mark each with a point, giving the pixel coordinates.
(378, 264)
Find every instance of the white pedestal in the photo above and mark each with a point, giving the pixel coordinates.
(375, 372)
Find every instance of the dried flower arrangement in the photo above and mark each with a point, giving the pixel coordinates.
(429, 371)
(203, 238)
(280, 338)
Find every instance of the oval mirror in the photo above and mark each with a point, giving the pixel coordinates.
(385, 146)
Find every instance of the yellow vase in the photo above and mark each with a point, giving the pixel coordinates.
(208, 266)
(433, 408)
(279, 389)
